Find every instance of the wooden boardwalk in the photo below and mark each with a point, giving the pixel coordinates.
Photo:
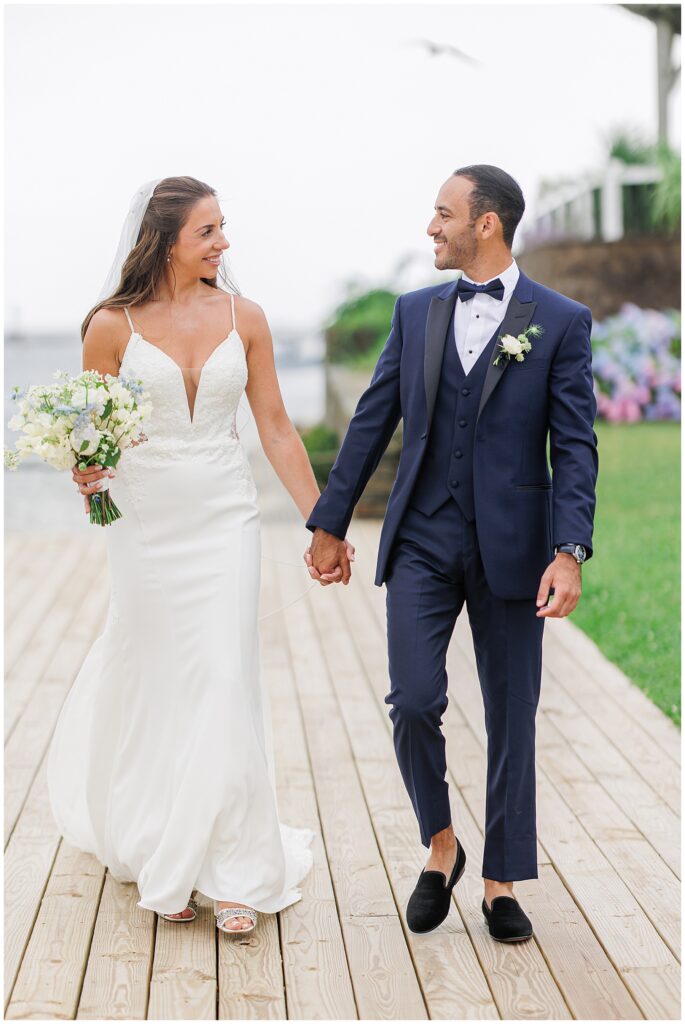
(605, 907)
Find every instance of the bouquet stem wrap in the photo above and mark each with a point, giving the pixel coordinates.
(103, 509)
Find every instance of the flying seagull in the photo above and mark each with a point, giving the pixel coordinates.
(436, 49)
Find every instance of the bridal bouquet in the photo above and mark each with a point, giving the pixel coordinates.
(87, 420)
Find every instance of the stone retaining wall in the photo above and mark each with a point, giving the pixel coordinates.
(603, 275)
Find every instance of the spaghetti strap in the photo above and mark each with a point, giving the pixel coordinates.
(233, 310)
(130, 322)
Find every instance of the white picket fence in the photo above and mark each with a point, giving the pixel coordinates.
(568, 212)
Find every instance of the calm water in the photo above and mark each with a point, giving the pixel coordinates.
(38, 497)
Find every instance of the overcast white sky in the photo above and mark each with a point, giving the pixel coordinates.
(324, 128)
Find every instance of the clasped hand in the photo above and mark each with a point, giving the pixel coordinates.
(328, 558)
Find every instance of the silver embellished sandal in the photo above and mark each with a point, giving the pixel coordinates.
(226, 913)
(192, 905)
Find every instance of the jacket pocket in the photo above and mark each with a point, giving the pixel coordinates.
(532, 487)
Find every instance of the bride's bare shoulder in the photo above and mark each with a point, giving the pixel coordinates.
(105, 340)
(252, 324)
(249, 313)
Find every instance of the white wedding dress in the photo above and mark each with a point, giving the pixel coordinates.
(161, 763)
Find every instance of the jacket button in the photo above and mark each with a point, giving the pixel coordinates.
(458, 454)
(454, 483)
(423, 436)
(466, 391)
(463, 423)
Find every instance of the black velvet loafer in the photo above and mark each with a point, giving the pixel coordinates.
(506, 921)
(429, 904)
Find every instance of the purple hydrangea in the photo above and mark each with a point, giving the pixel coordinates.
(635, 365)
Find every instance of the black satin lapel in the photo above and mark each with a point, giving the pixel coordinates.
(517, 318)
(437, 323)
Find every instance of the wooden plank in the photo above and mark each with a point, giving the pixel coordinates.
(11, 545)
(631, 851)
(51, 974)
(32, 734)
(576, 958)
(24, 574)
(628, 937)
(613, 681)
(591, 986)
(641, 804)
(251, 974)
(616, 726)
(524, 980)
(183, 985)
(21, 681)
(117, 976)
(14, 541)
(448, 994)
(315, 968)
(28, 861)
(32, 848)
(381, 969)
(46, 596)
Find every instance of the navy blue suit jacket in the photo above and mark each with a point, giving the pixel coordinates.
(521, 512)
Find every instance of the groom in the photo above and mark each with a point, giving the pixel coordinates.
(473, 518)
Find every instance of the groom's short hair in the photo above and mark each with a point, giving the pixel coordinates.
(494, 189)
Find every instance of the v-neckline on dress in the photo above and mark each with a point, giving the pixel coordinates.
(191, 415)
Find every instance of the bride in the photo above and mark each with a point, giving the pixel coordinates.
(161, 763)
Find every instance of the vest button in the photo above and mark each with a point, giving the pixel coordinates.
(463, 423)
(454, 483)
(458, 454)
(466, 391)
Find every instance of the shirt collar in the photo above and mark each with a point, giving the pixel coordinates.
(508, 277)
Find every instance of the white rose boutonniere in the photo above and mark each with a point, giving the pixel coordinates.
(515, 347)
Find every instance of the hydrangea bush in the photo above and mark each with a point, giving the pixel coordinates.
(636, 365)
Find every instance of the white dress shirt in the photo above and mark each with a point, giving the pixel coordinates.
(476, 321)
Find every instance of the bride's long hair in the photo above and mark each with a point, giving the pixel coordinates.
(144, 268)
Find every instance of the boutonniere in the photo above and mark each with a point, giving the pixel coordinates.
(516, 347)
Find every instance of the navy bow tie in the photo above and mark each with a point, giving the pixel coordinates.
(467, 289)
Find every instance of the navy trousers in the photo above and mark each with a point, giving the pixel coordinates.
(435, 567)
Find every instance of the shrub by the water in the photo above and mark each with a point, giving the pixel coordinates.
(360, 325)
(322, 444)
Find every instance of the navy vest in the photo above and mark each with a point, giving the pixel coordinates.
(447, 468)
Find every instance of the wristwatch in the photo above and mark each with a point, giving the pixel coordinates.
(577, 550)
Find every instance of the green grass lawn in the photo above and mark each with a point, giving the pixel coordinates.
(630, 604)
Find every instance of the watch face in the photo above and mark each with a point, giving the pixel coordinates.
(580, 553)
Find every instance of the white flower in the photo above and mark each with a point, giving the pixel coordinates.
(515, 348)
(26, 444)
(120, 395)
(89, 436)
(511, 345)
(12, 459)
